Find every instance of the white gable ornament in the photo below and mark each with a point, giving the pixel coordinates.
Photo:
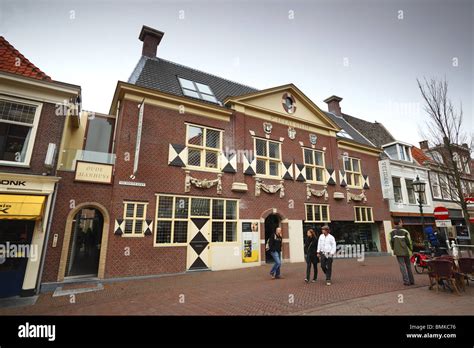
(291, 133)
(267, 127)
(313, 138)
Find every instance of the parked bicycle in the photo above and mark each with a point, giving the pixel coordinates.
(419, 259)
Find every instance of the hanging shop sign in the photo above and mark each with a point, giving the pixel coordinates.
(386, 176)
(250, 239)
(93, 172)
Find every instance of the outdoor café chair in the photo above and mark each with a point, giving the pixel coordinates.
(432, 274)
(444, 271)
(465, 268)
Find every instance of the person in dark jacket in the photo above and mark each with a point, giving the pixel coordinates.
(402, 247)
(274, 245)
(311, 255)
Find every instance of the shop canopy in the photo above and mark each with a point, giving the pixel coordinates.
(21, 207)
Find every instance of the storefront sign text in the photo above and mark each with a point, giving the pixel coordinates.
(93, 172)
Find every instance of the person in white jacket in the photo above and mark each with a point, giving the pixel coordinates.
(326, 252)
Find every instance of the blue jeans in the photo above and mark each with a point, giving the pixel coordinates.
(277, 265)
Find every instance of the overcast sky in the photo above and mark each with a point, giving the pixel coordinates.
(367, 52)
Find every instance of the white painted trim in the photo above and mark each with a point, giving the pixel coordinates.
(34, 130)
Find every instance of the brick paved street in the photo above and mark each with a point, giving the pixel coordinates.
(253, 292)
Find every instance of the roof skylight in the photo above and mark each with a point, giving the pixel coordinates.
(343, 134)
(197, 90)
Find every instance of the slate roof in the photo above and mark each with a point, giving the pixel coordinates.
(161, 74)
(374, 131)
(12, 61)
(352, 131)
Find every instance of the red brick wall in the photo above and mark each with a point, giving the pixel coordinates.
(70, 194)
(162, 127)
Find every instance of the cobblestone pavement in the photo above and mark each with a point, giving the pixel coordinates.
(251, 291)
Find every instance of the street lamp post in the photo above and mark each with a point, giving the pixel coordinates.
(419, 187)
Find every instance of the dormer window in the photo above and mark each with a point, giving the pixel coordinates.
(398, 151)
(197, 90)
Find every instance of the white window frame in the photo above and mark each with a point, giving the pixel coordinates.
(434, 178)
(363, 213)
(444, 178)
(197, 90)
(353, 173)
(314, 166)
(211, 220)
(134, 218)
(172, 219)
(34, 130)
(203, 148)
(267, 158)
(224, 220)
(402, 196)
(320, 209)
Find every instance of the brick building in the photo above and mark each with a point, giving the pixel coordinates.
(442, 183)
(204, 170)
(31, 127)
(398, 170)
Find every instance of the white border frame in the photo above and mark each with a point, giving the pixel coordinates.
(34, 130)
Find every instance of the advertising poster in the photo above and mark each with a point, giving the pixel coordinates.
(250, 238)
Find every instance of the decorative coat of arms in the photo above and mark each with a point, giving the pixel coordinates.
(267, 127)
(313, 138)
(291, 133)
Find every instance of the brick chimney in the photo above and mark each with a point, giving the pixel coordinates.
(151, 39)
(424, 145)
(333, 104)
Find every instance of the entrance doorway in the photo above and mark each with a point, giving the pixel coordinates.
(271, 223)
(84, 248)
(14, 235)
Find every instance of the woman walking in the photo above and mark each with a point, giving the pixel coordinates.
(274, 245)
(311, 257)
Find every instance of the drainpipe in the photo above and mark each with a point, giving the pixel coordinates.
(46, 239)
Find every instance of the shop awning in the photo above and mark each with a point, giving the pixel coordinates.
(20, 207)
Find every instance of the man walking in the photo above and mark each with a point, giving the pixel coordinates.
(400, 242)
(326, 251)
(274, 245)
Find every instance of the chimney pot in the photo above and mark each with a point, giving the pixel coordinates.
(424, 145)
(333, 104)
(151, 39)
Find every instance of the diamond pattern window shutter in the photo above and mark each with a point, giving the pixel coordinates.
(177, 155)
(228, 162)
(330, 176)
(119, 227)
(287, 171)
(342, 178)
(250, 165)
(365, 182)
(300, 172)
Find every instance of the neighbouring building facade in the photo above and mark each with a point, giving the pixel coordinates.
(442, 184)
(31, 130)
(398, 170)
(192, 171)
